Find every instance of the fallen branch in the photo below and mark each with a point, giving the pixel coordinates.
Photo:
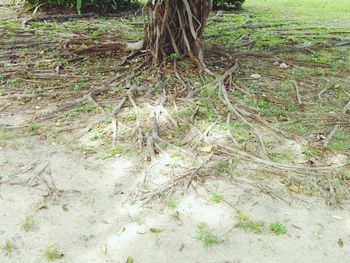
(335, 128)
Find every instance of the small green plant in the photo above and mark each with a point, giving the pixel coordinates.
(311, 152)
(345, 174)
(83, 109)
(172, 57)
(13, 82)
(52, 253)
(171, 203)
(206, 235)
(28, 223)
(175, 216)
(137, 218)
(129, 117)
(8, 247)
(248, 224)
(216, 197)
(33, 128)
(114, 151)
(226, 166)
(278, 228)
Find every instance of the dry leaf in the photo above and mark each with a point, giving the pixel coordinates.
(206, 149)
(294, 189)
(129, 260)
(341, 243)
(155, 230)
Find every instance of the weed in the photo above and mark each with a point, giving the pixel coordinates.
(8, 247)
(129, 117)
(13, 82)
(83, 109)
(114, 151)
(311, 152)
(171, 203)
(278, 228)
(28, 223)
(137, 218)
(248, 224)
(206, 235)
(33, 128)
(79, 87)
(52, 253)
(226, 166)
(216, 197)
(345, 174)
(175, 216)
(4, 134)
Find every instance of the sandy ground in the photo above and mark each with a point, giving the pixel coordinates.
(92, 219)
(91, 211)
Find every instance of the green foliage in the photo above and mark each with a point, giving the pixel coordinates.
(28, 223)
(206, 235)
(228, 4)
(79, 5)
(249, 224)
(278, 228)
(52, 253)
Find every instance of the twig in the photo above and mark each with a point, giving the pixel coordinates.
(297, 92)
(272, 193)
(114, 119)
(336, 127)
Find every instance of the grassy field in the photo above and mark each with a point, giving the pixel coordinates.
(306, 10)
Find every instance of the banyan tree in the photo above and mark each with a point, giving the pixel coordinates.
(176, 27)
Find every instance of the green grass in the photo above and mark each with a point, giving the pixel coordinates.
(216, 197)
(52, 253)
(171, 203)
(206, 235)
(28, 223)
(8, 247)
(83, 109)
(34, 128)
(249, 224)
(114, 151)
(309, 10)
(278, 228)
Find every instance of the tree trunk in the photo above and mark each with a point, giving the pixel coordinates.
(176, 27)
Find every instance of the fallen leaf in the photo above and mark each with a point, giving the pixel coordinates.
(255, 76)
(206, 149)
(182, 247)
(338, 217)
(294, 189)
(341, 243)
(104, 249)
(155, 230)
(129, 260)
(284, 65)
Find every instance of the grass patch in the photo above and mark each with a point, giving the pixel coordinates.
(171, 203)
(278, 228)
(83, 109)
(28, 224)
(8, 247)
(216, 197)
(52, 253)
(114, 151)
(206, 235)
(248, 224)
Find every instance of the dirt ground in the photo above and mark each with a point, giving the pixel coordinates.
(94, 219)
(71, 199)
